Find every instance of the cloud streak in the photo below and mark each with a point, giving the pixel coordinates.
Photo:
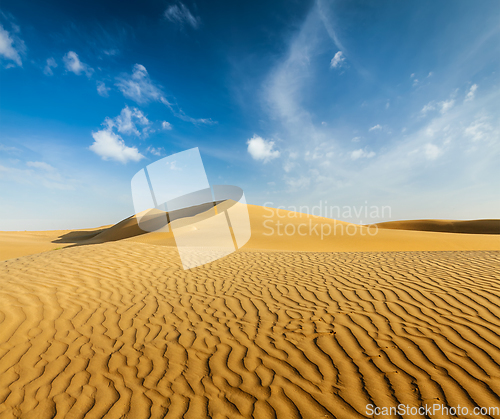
(139, 87)
(181, 15)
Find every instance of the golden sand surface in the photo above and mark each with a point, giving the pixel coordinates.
(117, 329)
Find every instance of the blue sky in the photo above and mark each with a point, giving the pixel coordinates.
(354, 103)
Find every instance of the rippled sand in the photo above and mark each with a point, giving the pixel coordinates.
(120, 330)
(106, 323)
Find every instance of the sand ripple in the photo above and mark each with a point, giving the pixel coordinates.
(120, 330)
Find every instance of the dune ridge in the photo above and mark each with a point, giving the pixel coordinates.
(120, 330)
(446, 226)
(391, 236)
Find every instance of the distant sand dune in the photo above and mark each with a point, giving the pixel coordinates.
(120, 330)
(446, 226)
(296, 232)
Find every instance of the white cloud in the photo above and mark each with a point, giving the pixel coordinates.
(51, 63)
(102, 89)
(159, 151)
(356, 139)
(128, 120)
(338, 60)
(375, 128)
(41, 165)
(288, 166)
(446, 105)
(73, 64)
(298, 183)
(139, 87)
(286, 91)
(111, 52)
(110, 146)
(471, 93)
(261, 149)
(481, 130)
(432, 151)
(429, 107)
(166, 125)
(184, 117)
(443, 106)
(43, 175)
(11, 46)
(362, 154)
(9, 149)
(181, 15)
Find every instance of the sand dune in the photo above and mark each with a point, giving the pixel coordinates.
(14, 244)
(301, 232)
(446, 226)
(289, 231)
(289, 326)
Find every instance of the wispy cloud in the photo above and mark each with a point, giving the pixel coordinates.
(9, 149)
(41, 165)
(432, 151)
(11, 46)
(428, 107)
(446, 105)
(102, 89)
(471, 93)
(261, 149)
(73, 64)
(166, 125)
(156, 151)
(443, 106)
(362, 154)
(38, 173)
(181, 15)
(338, 60)
(50, 64)
(395, 165)
(139, 87)
(481, 130)
(128, 121)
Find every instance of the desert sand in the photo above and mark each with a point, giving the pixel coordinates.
(290, 326)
